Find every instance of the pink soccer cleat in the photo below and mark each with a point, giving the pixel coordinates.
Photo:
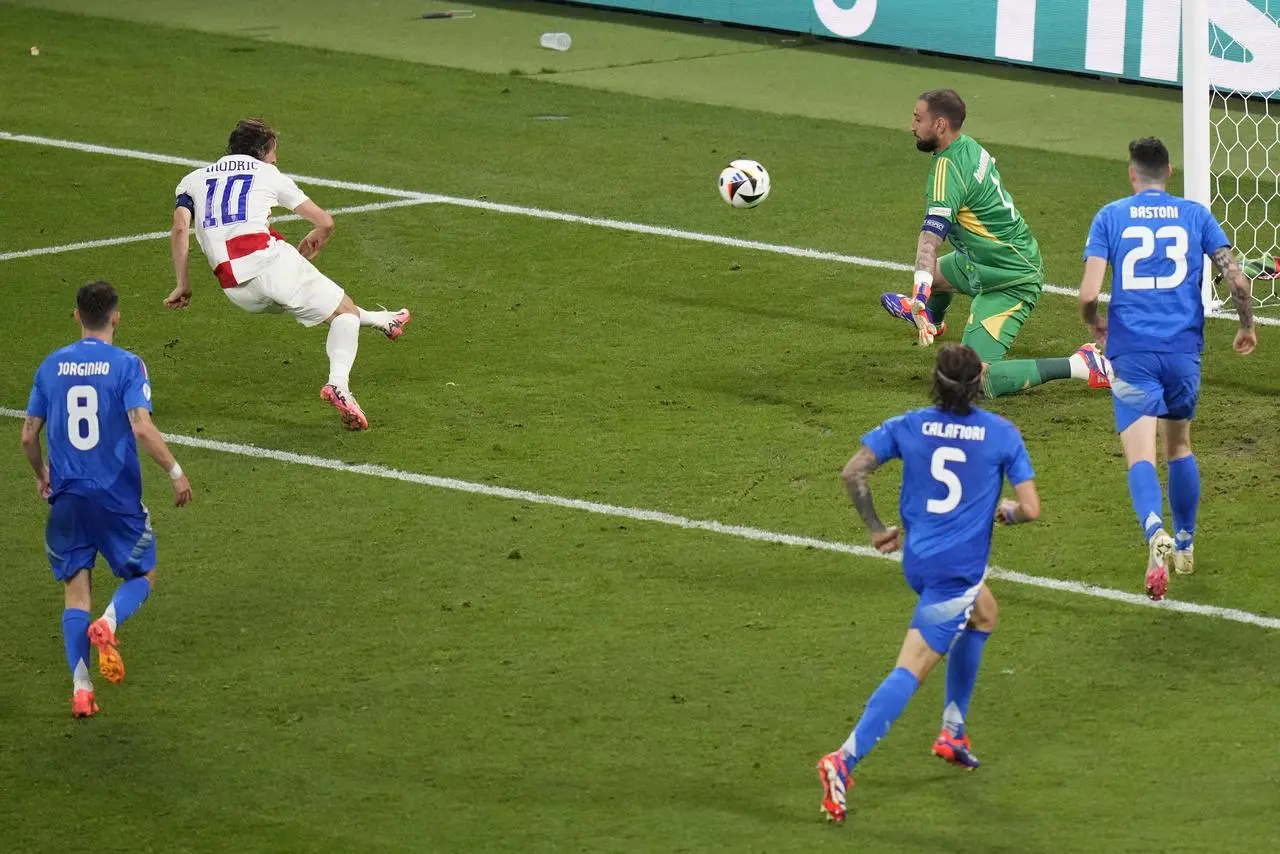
(82, 704)
(1160, 550)
(110, 664)
(395, 327)
(343, 401)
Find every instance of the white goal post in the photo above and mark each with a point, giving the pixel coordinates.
(1231, 131)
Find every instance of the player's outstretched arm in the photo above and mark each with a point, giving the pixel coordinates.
(1095, 270)
(1241, 297)
(1024, 507)
(855, 474)
(180, 250)
(311, 245)
(144, 430)
(31, 427)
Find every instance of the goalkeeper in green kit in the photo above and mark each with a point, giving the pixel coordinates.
(996, 261)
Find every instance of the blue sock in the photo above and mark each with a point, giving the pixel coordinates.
(884, 707)
(75, 636)
(962, 675)
(1148, 502)
(129, 598)
(1184, 498)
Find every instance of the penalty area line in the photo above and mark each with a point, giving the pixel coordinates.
(559, 216)
(160, 235)
(662, 518)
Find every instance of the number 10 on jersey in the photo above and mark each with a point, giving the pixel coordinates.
(231, 186)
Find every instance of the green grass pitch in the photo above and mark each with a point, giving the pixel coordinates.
(344, 663)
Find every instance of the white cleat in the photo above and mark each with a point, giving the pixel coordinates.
(1184, 561)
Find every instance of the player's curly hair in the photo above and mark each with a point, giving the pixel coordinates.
(96, 302)
(957, 379)
(251, 138)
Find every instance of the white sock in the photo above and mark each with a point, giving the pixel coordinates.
(80, 679)
(110, 616)
(344, 338)
(378, 319)
(1079, 369)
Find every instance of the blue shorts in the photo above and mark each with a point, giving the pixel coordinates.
(943, 610)
(1161, 385)
(79, 530)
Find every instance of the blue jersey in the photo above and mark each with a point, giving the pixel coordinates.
(84, 392)
(1155, 244)
(953, 469)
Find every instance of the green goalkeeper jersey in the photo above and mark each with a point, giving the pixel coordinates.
(964, 188)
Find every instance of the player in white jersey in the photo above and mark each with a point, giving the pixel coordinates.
(229, 203)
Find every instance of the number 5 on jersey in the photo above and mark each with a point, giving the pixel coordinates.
(946, 477)
(233, 186)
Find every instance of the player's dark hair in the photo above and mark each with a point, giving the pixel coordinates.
(251, 137)
(96, 301)
(1150, 158)
(957, 379)
(946, 103)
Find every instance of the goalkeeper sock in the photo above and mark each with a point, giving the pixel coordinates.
(937, 306)
(1021, 374)
(1144, 489)
(344, 339)
(1184, 498)
(885, 706)
(962, 675)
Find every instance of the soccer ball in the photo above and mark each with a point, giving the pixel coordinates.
(744, 184)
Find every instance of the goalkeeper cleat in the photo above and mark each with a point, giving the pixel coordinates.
(110, 664)
(834, 774)
(1160, 550)
(395, 327)
(343, 401)
(901, 305)
(82, 704)
(955, 750)
(1099, 366)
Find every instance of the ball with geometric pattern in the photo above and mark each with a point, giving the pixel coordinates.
(744, 184)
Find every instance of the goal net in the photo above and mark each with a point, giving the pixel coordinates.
(1231, 49)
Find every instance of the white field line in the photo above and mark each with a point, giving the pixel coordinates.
(134, 154)
(542, 213)
(159, 235)
(659, 517)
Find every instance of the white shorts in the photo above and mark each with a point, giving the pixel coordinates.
(292, 284)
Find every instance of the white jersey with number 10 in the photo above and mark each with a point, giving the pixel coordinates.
(230, 203)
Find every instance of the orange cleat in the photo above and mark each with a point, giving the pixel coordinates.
(957, 751)
(82, 704)
(905, 308)
(834, 774)
(1099, 366)
(343, 401)
(110, 664)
